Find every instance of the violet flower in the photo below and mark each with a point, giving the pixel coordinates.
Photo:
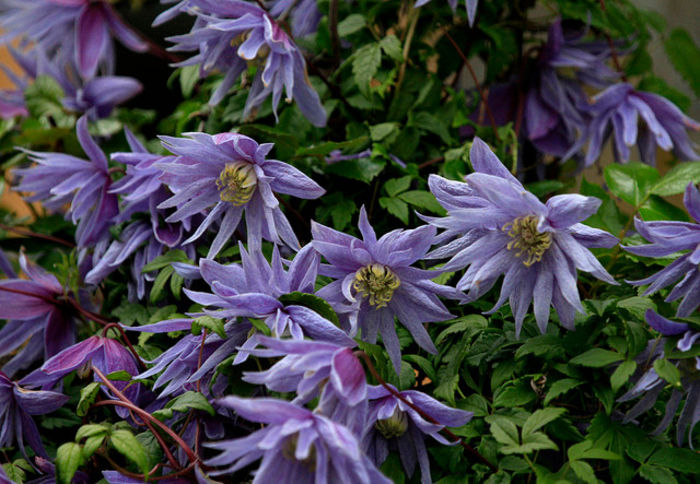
(667, 238)
(73, 30)
(304, 15)
(297, 445)
(17, 405)
(617, 110)
(233, 35)
(471, 6)
(310, 368)
(228, 174)
(375, 283)
(36, 315)
(647, 381)
(59, 178)
(253, 290)
(496, 227)
(393, 424)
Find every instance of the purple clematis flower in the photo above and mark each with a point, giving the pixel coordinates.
(297, 445)
(648, 382)
(312, 367)
(60, 178)
(232, 35)
(304, 15)
(35, 315)
(392, 423)
(667, 238)
(471, 6)
(617, 110)
(79, 31)
(228, 174)
(16, 407)
(375, 282)
(253, 289)
(496, 227)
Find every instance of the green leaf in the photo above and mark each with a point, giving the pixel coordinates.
(87, 397)
(597, 358)
(351, 24)
(622, 374)
(396, 207)
(682, 460)
(92, 444)
(428, 122)
(540, 418)
(637, 305)
(363, 169)
(677, 179)
(668, 371)
(393, 469)
(189, 75)
(422, 199)
(128, 445)
(159, 283)
(585, 450)
(531, 443)
(365, 64)
(683, 54)
(130, 313)
(631, 182)
(69, 457)
(214, 325)
(381, 131)
(326, 147)
(397, 185)
(514, 395)
(584, 471)
(164, 260)
(44, 97)
(120, 375)
(184, 403)
(560, 387)
(544, 187)
(656, 474)
(657, 208)
(90, 430)
(315, 303)
(392, 47)
(504, 431)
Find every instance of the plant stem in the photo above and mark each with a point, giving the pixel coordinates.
(333, 27)
(29, 233)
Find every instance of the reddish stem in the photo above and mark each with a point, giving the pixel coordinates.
(128, 344)
(482, 94)
(29, 233)
(419, 411)
(47, 299)
(613, 51)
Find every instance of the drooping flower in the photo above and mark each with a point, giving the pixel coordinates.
(253, 290)
(297, 445)
(36, 315)
(617, 109)
(648, 383)
(667, 238)
(17, 405)
(392, 423)
(228, 174)
(375, 282)
(59, 178)
(471, 6)
(78, 31)
(496, 227)
(313, 368)
(304, 15)
(232, 35)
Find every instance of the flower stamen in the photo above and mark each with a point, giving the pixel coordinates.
(237, 183)
(377, 282)
(527, 240)
(394, 426)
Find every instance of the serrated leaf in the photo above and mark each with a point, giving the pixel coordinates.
(313, 302)
(87, 397)
(597, 358)
(622, 374)
(363, 169)
(683, 53)
(69, 457)
(128, 445)
(533, 442)
(514, 395)
(214, 325)
(677, 179)
(668, 371)
(540, 418)
(631, 182)
(396, 207)
(365, 64)
(351, 24)
(560, 387)
(504, 431)
(656, 474)
(637, 305)
(585, 450)
(397, 185)
(392, 47)
(682, 460)
(326, 147)
(381, 131)
(584, 471)
(422, 199)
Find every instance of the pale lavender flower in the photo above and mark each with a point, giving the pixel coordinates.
(297, 445)
(79, 31)
(617, 110)
(228, 174)
(17, 405)
(471, 6)
(233, 35)
(304, 15)
(254, 288)
(375, 283)
(59, 178)
(35, 315)
(667, 238)
(650, 384)
(496, 227)
(393, 424)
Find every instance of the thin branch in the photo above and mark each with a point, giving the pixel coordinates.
(414, 13)
(128, 344)
(29, 233)
(431, 162)
(419, 411)
(333, 27)
(479, 89)
(613, 51)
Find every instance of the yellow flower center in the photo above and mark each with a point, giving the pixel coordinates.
(527, 240)
(290, 448)
(377, 282)
(237, 183)
(394, 426)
